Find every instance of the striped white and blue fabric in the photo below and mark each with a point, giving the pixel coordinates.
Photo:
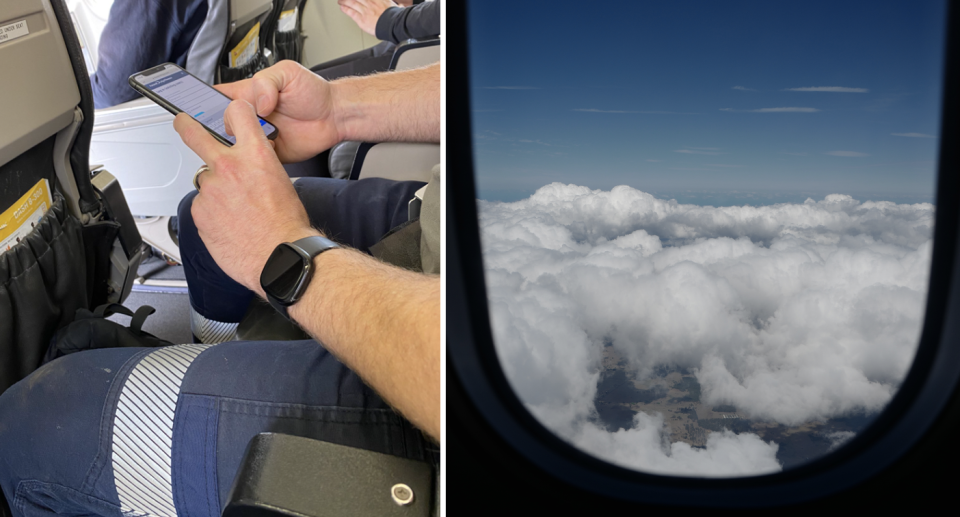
(143, 431)
(211, 331)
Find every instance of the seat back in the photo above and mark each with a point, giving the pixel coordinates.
(69, 241)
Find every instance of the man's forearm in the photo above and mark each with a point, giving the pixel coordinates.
(389, 107)
(384, 323)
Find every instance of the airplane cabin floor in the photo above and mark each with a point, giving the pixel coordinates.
(172, 319)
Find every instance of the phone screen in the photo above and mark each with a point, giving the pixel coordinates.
(194, 97)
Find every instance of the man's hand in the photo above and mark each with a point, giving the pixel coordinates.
(299, 102)
(247, 205)
(366, 12)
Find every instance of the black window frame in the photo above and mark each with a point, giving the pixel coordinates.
(493, 438)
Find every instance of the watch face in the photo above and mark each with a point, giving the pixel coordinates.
(282, 273)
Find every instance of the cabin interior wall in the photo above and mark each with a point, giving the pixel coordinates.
(330, 33)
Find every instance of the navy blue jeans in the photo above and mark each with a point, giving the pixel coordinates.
(128, 431)
(353, 213)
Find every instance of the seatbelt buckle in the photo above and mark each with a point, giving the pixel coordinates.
(413, 207)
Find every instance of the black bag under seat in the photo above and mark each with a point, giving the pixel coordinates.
(92, 330)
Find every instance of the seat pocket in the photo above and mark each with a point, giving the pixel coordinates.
(245, 71)
(44, 279)
(289, 45)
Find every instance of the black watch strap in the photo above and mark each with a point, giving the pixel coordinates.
(282, 309)
(307, 248)
(315, 245)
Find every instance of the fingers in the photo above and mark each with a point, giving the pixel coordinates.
(196, 137)
(350, 7)
(268, 83)
(241, 120)
(238, 90)
(263, 89)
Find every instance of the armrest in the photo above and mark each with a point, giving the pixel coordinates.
(284, 475)
(396, 161)
(414, 54)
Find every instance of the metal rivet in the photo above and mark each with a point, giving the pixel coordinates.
(402, 494)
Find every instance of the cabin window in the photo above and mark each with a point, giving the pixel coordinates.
(706, 226)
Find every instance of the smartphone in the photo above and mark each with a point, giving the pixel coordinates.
(181, 92)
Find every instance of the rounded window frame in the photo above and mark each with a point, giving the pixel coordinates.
(926, 391)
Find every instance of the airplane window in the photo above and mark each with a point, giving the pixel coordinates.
(706, 226)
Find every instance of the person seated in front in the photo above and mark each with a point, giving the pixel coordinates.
(140, 34)
(392, 23)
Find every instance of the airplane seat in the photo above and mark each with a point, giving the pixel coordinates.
(136, 139)
(392, 160)
(69, 240)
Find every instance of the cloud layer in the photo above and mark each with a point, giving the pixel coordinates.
(834, 89)
(775, 110)
(913, 135)
(848, 154)
(790, 312)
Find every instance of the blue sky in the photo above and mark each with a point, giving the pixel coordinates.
(708, 102)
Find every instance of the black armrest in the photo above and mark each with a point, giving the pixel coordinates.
(411, 44)
(284, 475)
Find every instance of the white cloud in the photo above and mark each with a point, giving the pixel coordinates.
(743, 88)
(792, 312)
(834, 89)
(848, 154)
(535, 142)
(726, 454)
(839, 438)
(697, 150)
(774, 110)
(913, 135)
(591, 110)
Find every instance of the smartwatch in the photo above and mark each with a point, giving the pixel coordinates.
(287, 272)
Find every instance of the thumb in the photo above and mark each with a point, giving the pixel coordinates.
(267, 85)
(241, 120)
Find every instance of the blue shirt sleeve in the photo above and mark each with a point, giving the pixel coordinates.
(397, 24)
(139, 34)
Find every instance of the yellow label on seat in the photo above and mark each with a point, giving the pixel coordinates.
(247, 48)
(21, 218)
